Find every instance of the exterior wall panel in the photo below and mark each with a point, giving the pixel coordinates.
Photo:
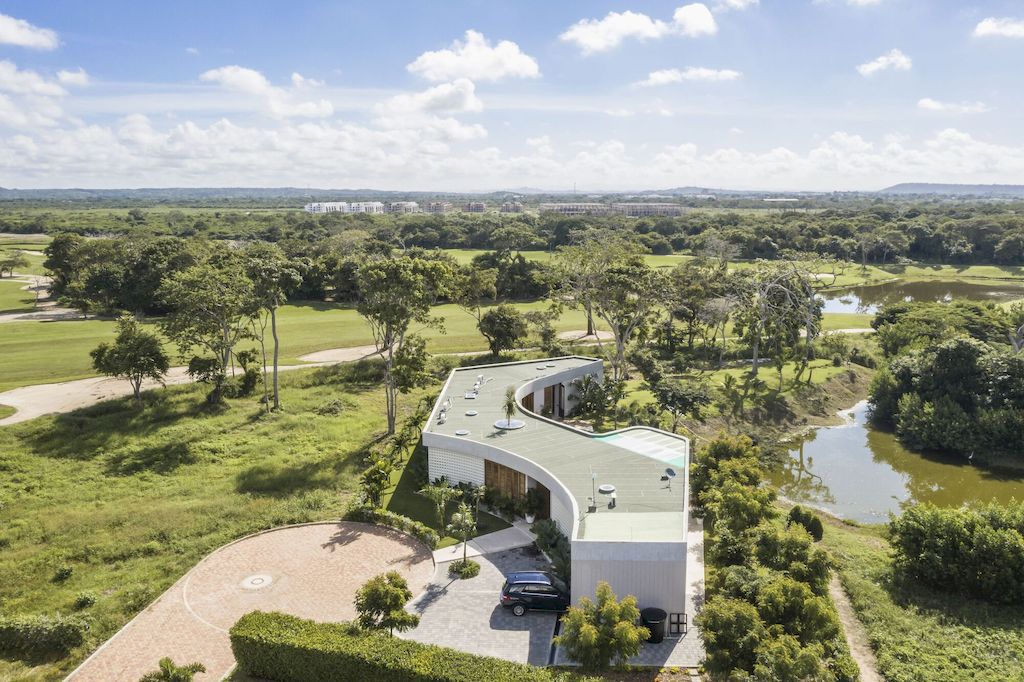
(653, 572)
(455, 466)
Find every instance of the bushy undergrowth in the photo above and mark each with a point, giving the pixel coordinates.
(974, 551)
(768, 616)
(37, 636)
(120, 502)
(556, 545)
(920, 633)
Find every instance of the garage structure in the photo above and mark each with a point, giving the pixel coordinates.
(620, 497)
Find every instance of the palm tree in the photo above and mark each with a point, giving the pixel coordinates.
(509, 406)
(463, 526)
(440, 494)
(169, 672)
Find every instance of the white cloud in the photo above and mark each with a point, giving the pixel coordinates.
(600, 35)
(192, 51)
(23, 34)
(477, 60)
(695, 20)
(541, 145)
(78, 78)
(455, 97)
(25, 82)
(1005, 27)
(893, 59)
(864, 3)
(443, 153)
(691, 73)
(929, 104)
(735, 4)
(300, 81)
(278, 102)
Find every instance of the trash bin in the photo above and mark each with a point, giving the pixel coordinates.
(654, 620)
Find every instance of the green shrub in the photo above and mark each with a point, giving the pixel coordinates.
(382, 517)
(978, 552)
(283, 648)
(464, 569)
(809, 520)
(552, 542)
(62, 573)
(41, 635)
(84, 600)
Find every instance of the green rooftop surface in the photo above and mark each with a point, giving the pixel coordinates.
(633, 460)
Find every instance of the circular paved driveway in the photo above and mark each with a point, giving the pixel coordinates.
(311, 571)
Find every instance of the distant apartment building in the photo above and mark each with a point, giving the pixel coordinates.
(640, 209)
(437, 207)
(366, 207)
(327, 207)
(403, 207)
(511, 207)
(576, 209)
(633, 209)
(345, 207)
(474, 207)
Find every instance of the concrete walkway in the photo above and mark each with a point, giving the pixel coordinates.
(311, 571)
(498, 541)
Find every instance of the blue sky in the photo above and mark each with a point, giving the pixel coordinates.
(794, 94)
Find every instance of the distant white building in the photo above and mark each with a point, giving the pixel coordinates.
(438, 207)
(366, 207)
(327, 207)
(403, 207)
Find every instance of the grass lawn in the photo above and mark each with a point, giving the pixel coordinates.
(14, 299)
(919, 634)
(821, 371)
(6, 411)
(130, 500)
(37, 352)
(403, 498)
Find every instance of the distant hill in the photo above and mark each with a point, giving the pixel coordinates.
(955, 190)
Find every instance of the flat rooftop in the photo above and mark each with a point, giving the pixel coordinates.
(633, 460)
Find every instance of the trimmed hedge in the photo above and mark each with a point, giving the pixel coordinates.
(382, 517)
(41, 635)
(283, 648)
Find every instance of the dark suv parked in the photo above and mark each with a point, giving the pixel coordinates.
(525, 590)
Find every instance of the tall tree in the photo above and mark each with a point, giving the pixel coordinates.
(580, 266)
(626, 297)
(212, 306)
(135, 355)
(778, 303)
(504, 327)
(273, 278)
(393, 294)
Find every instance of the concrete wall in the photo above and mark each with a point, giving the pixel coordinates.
(455, 466)
(653, 572)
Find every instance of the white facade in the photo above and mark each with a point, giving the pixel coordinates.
(327, 207)
(403, 207)
(344, 207)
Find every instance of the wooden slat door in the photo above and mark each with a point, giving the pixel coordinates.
(503, 479)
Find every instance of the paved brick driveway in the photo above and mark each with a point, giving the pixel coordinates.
(312, 571)
(465, 615)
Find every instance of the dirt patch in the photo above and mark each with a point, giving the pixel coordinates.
(856, 636)
(340, 354)
(581, 335)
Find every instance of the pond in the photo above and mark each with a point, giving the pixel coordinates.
(868, 299)
(859, 473)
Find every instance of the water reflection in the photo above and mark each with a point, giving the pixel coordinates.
(863, 474)
(868, 299)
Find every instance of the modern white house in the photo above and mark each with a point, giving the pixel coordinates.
(620, 497)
